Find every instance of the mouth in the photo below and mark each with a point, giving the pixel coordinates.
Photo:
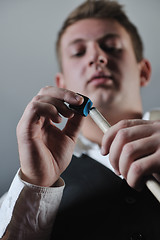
(101, 79)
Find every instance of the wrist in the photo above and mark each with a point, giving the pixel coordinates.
(40, 181)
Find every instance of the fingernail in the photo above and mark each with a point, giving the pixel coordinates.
(117, 172)
(103, 152)
(79, 98)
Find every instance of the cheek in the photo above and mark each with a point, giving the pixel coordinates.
(73, 80)
(74, 75)
(130, 71)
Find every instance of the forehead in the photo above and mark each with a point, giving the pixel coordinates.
(92, 30)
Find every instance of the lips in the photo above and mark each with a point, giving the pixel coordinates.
(100, 78)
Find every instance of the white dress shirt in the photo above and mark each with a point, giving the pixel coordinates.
(28, 211)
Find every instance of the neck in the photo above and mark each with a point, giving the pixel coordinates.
(92, 132)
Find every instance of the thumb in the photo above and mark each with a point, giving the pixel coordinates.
(73, 126)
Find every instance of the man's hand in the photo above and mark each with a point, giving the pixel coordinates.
(134, 150)
(45, 151)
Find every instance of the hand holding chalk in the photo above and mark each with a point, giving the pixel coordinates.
(85, 109)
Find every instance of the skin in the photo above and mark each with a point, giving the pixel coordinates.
(82, 45)
(45, 151)
(106, 51)
(118, 97)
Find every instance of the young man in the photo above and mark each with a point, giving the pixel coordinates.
(101, 56)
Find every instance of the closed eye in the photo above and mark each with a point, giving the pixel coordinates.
(111, 44)
(79, 53)
(111, 50)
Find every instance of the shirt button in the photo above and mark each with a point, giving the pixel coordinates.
(137, 236)
(130, 200)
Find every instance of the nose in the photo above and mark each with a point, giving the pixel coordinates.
(97, 57)
(102, 60)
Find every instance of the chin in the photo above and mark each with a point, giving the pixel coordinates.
(101, 99)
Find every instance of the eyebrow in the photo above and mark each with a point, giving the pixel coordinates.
(75, 41)
(105, 37)
(110, 36)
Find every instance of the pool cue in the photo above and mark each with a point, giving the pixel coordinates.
(86, 108)
(102, 123)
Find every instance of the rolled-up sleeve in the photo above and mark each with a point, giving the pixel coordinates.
(28, 211)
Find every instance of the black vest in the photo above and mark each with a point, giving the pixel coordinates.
(97, 204)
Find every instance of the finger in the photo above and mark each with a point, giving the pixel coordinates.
(62, 94)
(123, 142)
(157, 176)
(112, 132)
(73, 126)
(140, 170)
(60, 105)
(135, 150)
(36, 110)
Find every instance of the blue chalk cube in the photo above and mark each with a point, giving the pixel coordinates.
(84, 108)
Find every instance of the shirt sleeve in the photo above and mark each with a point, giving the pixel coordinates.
(28, 211)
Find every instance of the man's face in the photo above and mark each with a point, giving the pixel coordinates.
(98, 61)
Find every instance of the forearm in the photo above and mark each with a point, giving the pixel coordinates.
(28, 211)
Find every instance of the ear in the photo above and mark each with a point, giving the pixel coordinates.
(60, 80)
(145, 72)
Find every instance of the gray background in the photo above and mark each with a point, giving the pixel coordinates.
(28, 30)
